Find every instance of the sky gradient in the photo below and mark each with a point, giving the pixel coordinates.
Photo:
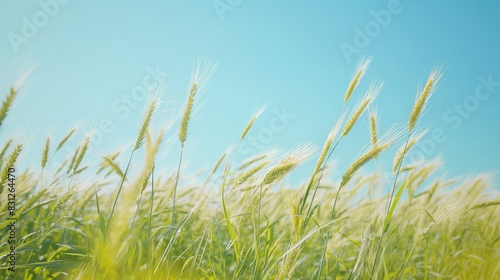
(93, 61)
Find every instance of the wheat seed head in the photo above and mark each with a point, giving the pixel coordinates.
(199, 83)
(373, 119)
(393, 135)
(290, 161)
(360, 72)
(405, 149)
(255, 116)
(370, 95)
(421, 99)
(329, 141)
(155, 95)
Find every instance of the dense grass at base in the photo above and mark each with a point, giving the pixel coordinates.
(244, 222)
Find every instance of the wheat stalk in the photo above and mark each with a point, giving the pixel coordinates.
(324, 155)
(363, 252)
(405, 149)
(199, 83)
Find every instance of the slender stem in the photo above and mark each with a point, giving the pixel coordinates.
(172, 223)
(70, 181)
(120, 188)
(139, 203)
(390, 204)
(257, 233)
(323, 256)
(149, 222)
(409, 257)
(136, 210)
(317, 186)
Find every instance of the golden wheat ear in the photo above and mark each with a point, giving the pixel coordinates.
(293, 159)
(45, 152)
(7, 104)
(204, 71)
(393, 135)
(422, 99)
(146, 123)
(373, 125)
(360, 72)
(251, 122)
(370, 95)
(9, 99)
(4, 149)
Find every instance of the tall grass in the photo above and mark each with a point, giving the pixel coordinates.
(245, 221)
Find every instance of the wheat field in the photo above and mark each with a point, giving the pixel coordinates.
(78, 221)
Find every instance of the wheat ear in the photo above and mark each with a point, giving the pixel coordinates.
(425, 94)
(368, 98)
(360, 72)
(251, 122)
(7, 104)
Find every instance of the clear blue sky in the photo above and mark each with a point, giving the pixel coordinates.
(288, 55)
